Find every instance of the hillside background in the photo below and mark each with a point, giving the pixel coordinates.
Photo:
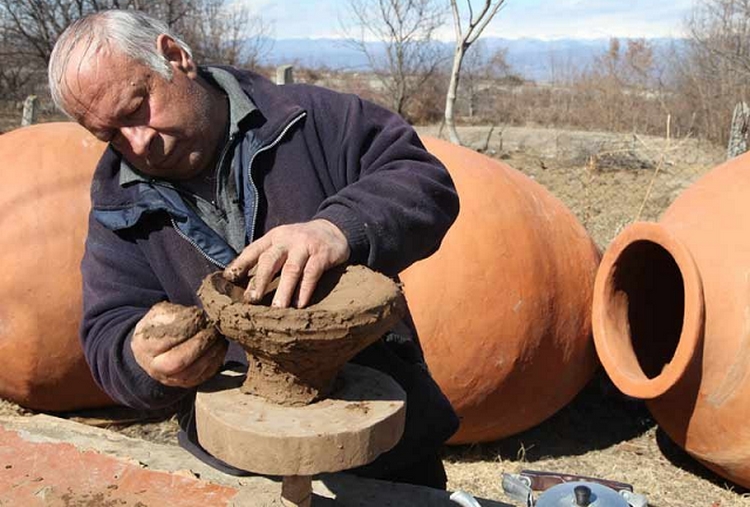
(535, 60)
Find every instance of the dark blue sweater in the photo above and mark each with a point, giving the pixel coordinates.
(316, 154)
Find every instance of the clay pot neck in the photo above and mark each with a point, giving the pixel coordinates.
(648, 311)
(289, 381)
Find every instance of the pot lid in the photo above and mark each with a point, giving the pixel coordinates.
(583, 494)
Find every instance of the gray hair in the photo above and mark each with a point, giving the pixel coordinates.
(131, 32)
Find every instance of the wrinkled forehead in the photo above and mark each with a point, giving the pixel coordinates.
(91, 75)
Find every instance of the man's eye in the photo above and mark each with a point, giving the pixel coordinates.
(135, 112)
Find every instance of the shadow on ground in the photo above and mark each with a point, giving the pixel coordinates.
(387, 494)
(599, 417)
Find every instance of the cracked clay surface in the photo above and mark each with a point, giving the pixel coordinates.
(295, 354)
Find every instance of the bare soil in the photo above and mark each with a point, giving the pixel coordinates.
(607, 180)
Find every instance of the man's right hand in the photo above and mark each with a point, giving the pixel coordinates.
(177, 346)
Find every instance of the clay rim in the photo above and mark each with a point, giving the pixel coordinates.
(305, 323)
(613, 342)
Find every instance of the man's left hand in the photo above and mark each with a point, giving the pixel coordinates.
(302, 252)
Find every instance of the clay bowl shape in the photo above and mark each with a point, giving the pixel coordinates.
(295, 354)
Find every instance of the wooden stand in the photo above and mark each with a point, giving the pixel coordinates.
(361, 419)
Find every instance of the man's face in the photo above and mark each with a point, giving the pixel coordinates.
(168, 129)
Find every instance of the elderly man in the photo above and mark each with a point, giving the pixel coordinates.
(215, 167)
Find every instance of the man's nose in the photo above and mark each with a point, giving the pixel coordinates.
(139, 138)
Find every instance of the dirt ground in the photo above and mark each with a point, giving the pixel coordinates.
(608, 181)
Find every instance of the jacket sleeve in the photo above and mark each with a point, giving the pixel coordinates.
(119, 287)
(395, 200)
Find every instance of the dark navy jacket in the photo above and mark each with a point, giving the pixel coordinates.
(315, 154)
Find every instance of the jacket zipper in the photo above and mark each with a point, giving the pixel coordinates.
(230, 142)
(252, 186)
(267, 147)
(195, 245)
(215, 192)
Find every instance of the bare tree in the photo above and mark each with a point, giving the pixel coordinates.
(16, 71)
(619, 89)
(218, 30)
(475, 69)
(225, 33)
(481, 72)
(171, 12)
(714, 74)
(722, 29)
(36, 24)
(410, 57)
(464, 40)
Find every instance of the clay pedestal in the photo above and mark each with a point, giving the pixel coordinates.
(264, 421)
(362, 418)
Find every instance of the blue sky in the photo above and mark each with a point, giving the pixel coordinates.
(544, 19)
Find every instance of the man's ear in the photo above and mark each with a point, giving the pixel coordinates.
(176, 56)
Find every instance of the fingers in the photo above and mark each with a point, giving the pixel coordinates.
(202, 369)
(301, 252)
(269, 263)
(290, 275)
(180, 357)
(313, 271)
(239, 269)
(177, 345)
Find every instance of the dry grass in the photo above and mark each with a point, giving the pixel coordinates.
(600, 434)
(603, 178)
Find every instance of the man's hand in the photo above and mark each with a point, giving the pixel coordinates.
(302, 252)
(177, 346)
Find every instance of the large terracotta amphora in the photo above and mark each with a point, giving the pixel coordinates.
(44, 202)
(503, 307)
(671, 318)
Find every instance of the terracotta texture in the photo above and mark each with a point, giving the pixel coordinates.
(503, 307)
(363, 418)
(294, 354)
(44, 202)
(37, 472)
(672, 318)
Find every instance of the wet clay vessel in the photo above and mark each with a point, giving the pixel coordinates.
(671, 318)
(46, 171)
(503, 307)
(295, 354)
(267, 422)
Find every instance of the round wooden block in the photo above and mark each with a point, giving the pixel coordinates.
(362, 418)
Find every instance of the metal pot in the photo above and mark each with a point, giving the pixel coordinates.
(583, 494)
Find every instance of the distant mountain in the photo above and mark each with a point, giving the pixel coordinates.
(535, 59)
